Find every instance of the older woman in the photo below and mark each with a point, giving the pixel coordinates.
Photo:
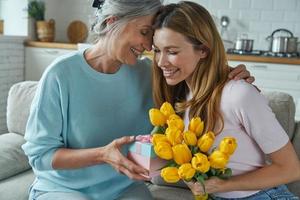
(88, 104)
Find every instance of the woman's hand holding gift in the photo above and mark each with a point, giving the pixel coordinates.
(122, 164)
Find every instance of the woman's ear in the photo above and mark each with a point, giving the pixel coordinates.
(111, 20)
(202, 50)
(203, 53)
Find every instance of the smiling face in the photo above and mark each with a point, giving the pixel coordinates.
(134, 39)
(175, 56)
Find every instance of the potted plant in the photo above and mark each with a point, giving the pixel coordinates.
(45, 29)
(1, 26)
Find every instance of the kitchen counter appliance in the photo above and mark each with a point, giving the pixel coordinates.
(242, 43)
(282, 44)
(264, 53)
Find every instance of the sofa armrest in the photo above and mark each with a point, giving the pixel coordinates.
(296, 139)
(283, 107)
(19, 101)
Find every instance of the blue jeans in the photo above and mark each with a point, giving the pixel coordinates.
(278, 193)
(137, 191)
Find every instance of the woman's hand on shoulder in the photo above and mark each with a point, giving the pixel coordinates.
(114, 157)
(241, 72)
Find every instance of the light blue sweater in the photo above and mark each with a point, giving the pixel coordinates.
(77, 107)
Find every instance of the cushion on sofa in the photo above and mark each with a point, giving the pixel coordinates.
(16, 187)
(169, 193)
(12, 158)
(18, 105)
(283, 106)
(157, 180)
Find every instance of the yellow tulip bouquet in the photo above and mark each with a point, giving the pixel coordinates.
(189, 152)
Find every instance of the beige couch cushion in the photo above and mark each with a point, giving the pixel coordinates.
(12, 158)
(18, 105)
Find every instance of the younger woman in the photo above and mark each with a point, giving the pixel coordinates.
(191, 72)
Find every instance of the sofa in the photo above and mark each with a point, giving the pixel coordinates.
(16, 174)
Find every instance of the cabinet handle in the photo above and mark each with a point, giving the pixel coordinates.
(260, 66)
(52, 52)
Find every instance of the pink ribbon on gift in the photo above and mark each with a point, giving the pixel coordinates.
(142, 139)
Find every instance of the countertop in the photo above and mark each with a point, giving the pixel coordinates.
(57, 45)
(231, 57)
(264, 59)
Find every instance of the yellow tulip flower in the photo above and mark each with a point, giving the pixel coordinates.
(196, 125)
(201, 197)
(159, 138)
(181, 154)
(200, 162)
(170, 174)
(167, 109)
(175, 121)
(206, 141)
(174, 135)
(190, 138)
(163, 150)
(218, 159)
(186, 171)
(228, 145)
(157, 118)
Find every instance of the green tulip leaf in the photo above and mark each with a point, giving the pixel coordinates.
(226, 174)
(200, 179)
(158, 130)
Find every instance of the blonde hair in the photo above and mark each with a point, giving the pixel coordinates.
(196, 24)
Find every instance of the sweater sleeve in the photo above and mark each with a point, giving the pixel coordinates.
(44, 127)
(254, 114)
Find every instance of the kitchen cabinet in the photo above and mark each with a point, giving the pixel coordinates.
(276, 77)
(38, 59)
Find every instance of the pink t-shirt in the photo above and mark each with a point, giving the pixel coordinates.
(249, 119)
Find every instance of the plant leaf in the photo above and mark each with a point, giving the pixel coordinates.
(226, 174)
(194, 149)
(36, 10)
(213, 171)
(158, 129)
(200, 179)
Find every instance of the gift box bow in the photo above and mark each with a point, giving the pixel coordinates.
(143, 146)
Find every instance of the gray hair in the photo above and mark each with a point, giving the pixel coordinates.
(125, 11)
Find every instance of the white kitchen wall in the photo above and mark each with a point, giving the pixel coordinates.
(65, 11)
(14, 16)
(257, 18)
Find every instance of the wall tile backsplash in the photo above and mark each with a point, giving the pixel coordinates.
(257, 18)
(11, 71)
